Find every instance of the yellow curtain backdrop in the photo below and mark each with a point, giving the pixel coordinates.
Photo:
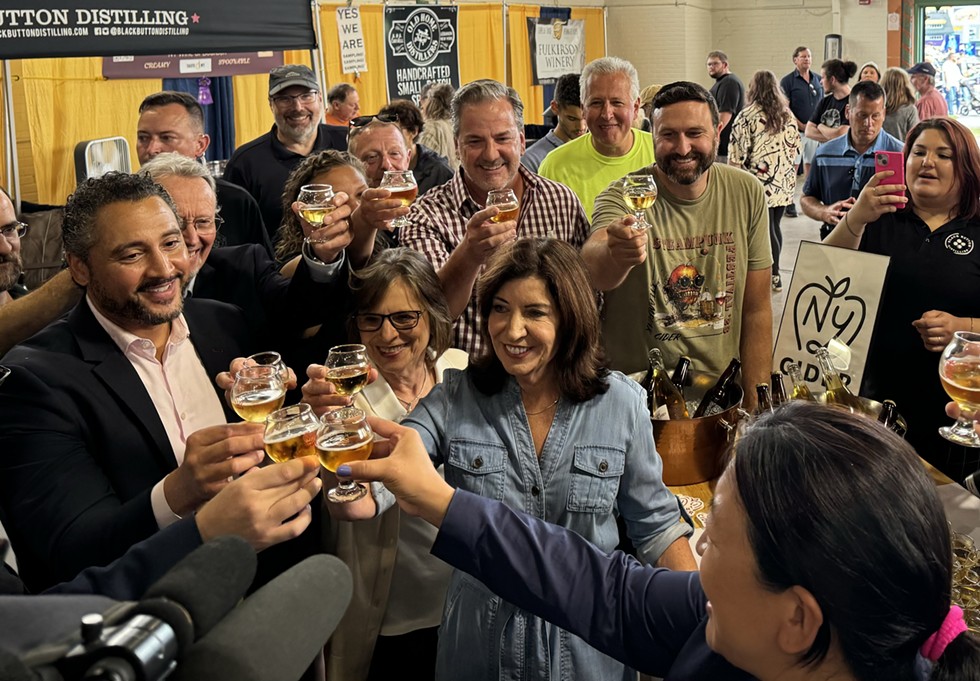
(521, 76)
(481, 54)
(68, 101)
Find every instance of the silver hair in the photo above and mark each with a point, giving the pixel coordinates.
(486, 90)
(172, 164)
(605, 66)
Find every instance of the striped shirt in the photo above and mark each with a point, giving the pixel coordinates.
(437, 224)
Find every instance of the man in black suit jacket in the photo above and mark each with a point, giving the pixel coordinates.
(263, 165)
(112, 426)
(174, 121)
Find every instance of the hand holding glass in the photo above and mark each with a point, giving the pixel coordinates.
(344, 436)
(316, 200)
(257, 392)
(347, 368)
(640, 193)
(506, 200)
(959, 371)
(401, 184)
(290, 433)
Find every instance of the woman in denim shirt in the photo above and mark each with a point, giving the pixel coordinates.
(543, 426)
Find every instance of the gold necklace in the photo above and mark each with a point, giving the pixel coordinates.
(411, 403)
(535, 413)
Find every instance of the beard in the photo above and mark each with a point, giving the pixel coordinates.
(297, 132)
(11, 266)
(687, 176)
(133, 309)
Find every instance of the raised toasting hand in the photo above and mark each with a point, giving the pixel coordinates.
(264, 507)
(213, 457)
(331, 231)
(626, 242)
(321, 394)
(402, 464)
(483, 235)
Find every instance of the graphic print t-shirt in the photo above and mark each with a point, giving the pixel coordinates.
(686, 298)
(831, 112)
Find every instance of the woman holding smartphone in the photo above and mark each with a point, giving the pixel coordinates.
(932, 236)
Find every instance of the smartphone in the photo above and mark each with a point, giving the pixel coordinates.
(891, 160)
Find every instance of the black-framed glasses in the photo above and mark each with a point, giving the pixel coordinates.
(402, 321)
(361, 121)
(202, 225)
(283, 101)
(15, 229)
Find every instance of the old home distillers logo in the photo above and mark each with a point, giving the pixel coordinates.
(421, 37)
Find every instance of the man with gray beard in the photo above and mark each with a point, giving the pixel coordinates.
(695, 283)
(263, 165)
(11, 264)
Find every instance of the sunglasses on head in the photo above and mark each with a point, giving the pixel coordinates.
(361, 121)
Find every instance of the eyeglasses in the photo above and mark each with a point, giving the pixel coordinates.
(361, 121)
(404, 320)
(303, 98)
(14, 229)
(202, 225)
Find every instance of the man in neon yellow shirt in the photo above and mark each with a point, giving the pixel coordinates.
(612, 148)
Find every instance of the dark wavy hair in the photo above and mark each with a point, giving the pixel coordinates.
(966, 161)
(579, 360)
(841, 71)
(765, 92)
(409, 116)
(686, 91)
(94, 194)
(289, 237)
(841, 506)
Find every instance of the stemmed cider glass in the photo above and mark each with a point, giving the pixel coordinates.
(344, 436)
(640, 193)
(402, 185)
(347, 368)
(959, 372)
(506, 200)
(257, 392)
(269, 358)
(316, 200)
(290, 433)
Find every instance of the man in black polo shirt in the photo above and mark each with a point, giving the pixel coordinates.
(263, 165)
(804, 90)
(729, 94)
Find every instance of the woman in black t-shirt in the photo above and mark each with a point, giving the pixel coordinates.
(932, 236)
(830, 114)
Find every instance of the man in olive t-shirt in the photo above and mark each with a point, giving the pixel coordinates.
(696, 283)
(612, 148)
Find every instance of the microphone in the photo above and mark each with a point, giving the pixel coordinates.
(277, 631)
(206, 584)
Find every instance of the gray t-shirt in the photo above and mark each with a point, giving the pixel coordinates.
(535, 153)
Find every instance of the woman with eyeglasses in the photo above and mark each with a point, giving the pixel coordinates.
(540, 423)
(402, 318)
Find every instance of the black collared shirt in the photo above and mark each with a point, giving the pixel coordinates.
(803, 96)
(928, 271)
(263, 165)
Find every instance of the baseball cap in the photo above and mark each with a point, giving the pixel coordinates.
(923, 67)
(286, 76)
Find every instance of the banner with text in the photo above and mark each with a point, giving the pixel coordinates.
(420, 47)
(353, 57)
(834, 294)
(557, 48)
(190, 65)
(100, 28)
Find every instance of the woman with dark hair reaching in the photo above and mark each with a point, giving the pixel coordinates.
(814, 568)
(932, 236)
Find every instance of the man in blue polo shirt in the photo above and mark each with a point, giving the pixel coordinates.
(804, 90)
(842, 166)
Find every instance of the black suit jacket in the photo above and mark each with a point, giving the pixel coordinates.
(277, 308)
(243, 219)
(82, 445)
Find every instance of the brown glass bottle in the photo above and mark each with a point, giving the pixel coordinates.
(681, 376)
(764, 400)
(717, 395)
(778, 390)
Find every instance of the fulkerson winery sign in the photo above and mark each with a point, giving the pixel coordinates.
(109, 27)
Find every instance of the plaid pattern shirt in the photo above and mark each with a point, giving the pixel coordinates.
(438, 223)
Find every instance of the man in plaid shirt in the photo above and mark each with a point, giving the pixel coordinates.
(450, 224)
